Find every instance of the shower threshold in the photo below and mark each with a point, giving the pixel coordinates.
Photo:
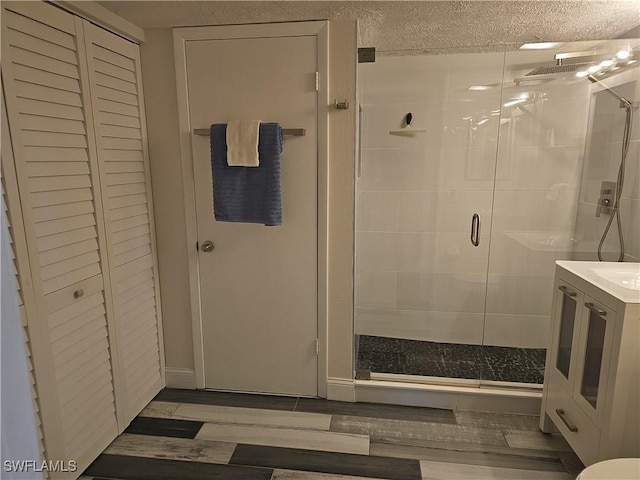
(390, 389)
(455, 382)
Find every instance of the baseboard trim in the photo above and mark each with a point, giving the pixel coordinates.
(184, 378)
(341, 389)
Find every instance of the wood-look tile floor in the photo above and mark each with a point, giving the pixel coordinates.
(189, 435)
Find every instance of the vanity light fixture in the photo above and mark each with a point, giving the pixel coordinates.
(540, 45)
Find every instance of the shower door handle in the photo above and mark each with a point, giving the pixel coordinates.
(475, 230)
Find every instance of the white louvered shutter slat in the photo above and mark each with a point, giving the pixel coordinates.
(43, 54)
(118, 117)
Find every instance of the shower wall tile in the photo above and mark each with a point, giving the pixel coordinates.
(467, 168)
(513, 210)
(522, 331)
(456, 254)
(556, 90)
(632, 172)
(563, 122)
(416, 252)
(589, 229)
(449, 211)
(509, 253)
(395, 252)
(378, 120)
(449, 327)
(520, 295)
(630, 209)
(421, 81)
(520, 125)
(554, 210)
(419, 211)
(378, 211)
(375, 252)
(397, 169)
(456, 209)
(470, 124)
(543, 263)
(376, 289)
(607, 128)
(441, 292)
(558, 167)
(516, 166)
(474, 69)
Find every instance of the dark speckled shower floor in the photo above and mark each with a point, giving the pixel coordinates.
(452, 360)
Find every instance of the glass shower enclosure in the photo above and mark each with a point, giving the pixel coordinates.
(463, 206)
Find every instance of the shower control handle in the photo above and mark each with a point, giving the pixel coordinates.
(475, 230)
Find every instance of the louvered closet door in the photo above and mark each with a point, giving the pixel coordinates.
(114, 72)
(43, 51)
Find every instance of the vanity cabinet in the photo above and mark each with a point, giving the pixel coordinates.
(593, 364)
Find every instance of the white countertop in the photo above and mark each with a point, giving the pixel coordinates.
(620, 279)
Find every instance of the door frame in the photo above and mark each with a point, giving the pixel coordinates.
(181, 36)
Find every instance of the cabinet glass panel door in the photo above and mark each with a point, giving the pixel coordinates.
(593, 358)
(565, 341)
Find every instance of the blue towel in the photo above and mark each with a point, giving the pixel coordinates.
(247, 194)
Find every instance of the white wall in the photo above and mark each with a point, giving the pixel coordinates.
(603, 156)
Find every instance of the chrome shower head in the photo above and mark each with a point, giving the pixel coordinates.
(556, 69)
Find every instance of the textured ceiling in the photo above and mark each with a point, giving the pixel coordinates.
(402, 25)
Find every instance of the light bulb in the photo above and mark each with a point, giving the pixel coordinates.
(582, 74)
(606, 63)
(594, 68)
(623, 54)
(523, 96)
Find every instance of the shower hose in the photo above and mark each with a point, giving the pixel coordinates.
(618, 193)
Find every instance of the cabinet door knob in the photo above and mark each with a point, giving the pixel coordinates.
(78, 293)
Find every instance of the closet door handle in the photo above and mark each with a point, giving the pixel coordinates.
(475, 230)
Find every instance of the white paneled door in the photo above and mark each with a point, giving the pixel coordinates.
(258, 287)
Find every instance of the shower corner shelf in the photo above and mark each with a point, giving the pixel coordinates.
(407, 131)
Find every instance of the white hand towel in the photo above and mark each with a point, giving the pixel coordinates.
(242, 143)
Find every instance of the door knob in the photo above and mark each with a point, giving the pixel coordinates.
(207, 246)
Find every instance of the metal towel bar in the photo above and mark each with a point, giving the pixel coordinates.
(296, 132)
